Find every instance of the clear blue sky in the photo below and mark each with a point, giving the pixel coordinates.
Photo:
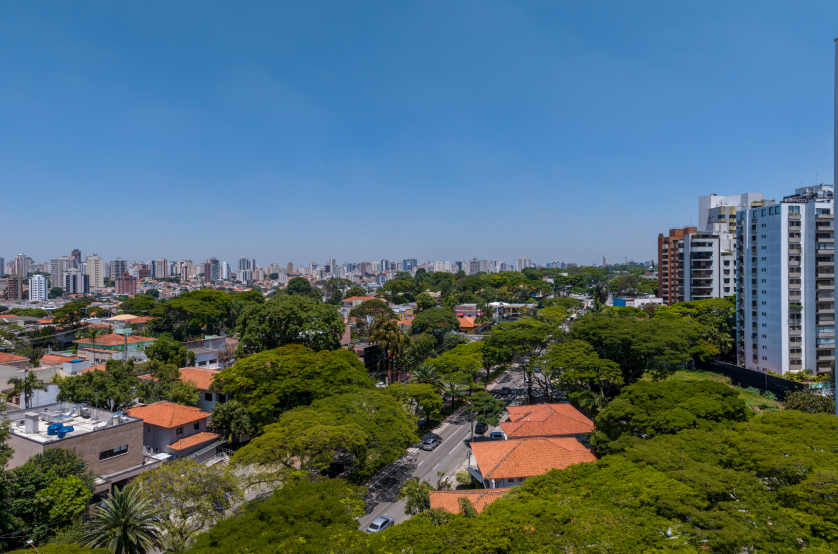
(435, 130)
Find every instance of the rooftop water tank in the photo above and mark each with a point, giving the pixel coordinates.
(53, 429)
(63, 431)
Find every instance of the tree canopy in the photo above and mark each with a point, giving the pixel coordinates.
(436, 321)
(283, 320)
(275, 381)
(113, 388)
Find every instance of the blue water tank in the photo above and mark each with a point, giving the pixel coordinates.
(53, 429)
(63, 431)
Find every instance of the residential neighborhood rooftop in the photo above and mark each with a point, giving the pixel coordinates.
(545, 420)
(450, 500)
(527, 457)
(168, 414)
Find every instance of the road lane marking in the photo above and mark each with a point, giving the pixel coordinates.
(453, 449)
(436, 466)
(422, 462)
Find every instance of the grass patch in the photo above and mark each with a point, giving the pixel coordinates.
(759, 402)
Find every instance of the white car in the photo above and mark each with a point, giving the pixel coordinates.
(380, 524)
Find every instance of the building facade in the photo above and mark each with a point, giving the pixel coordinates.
(125, 284)
(785, 303)
(38, 288)
(717, 214)
(96, 271)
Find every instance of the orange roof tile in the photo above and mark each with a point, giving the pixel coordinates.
(113, 340)
(466, 322)
(192, 440)
(55, 359)
(168, 414)
(201, 377)
(528, 457)
(6, 358)
(545, 420)
(97, 367)
(450, 500)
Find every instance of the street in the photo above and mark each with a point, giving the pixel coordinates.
(448, 456)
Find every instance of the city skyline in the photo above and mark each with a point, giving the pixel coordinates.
(556, 140)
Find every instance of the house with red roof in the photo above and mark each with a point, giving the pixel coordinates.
(502, 464)
(546, 420)
(450, 500)
(202, 378)
(174, 429)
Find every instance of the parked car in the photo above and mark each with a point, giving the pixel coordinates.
(537, 369)
(430, 444)
(505, 390)
(481, 428)
(496, 436)
(380, 524)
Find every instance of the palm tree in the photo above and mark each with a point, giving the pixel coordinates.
(386, 334)
(25, 387)
(452, 388)
(124, 525)
(92, 333)
(426, 374)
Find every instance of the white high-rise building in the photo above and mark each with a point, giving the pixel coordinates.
(57, 269)
(225, 270)
(161, 268)
(717, 214)
(38, 288)
(522, 264)
(96, 271)
(785, 302)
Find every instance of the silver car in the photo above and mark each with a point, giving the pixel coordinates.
(380, 524)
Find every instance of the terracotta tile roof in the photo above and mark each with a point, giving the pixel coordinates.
(450, 500)
(466, 322)
(6, 358)
(364, 299)
(527, 457)
(55, 359)
(114, 340)
(407, 322)
(545, 420)
(97, 367)
(192, 440)
(168, 414)
(200, 376)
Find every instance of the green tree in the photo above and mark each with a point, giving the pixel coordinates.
(334, 289)
(659, 346)
(56, 292)
(647, 409)
(575, 368)
(466, 359)
(154, 293)
(300, 286)
(374, 308)
(425, 301)
(426, 374)
(25, 387)
(300, 518)
(189, 498)
(420, 398)
(164, 382)
(125, 524)
(195, 313)
(388, 336)
(167, 350)
(113, 388)
(485, 408)
(416, 496)
(275, 381)
(139, 305)
(29, 312)
(234, 420)
(518, 340)
(382, 421)
(809, 403)
(289, 320)
(355, 290)
(63, 499)
(437, 321)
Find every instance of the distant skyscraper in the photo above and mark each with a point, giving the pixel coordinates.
(161, 268)
(76, 282)
(212, 270)
(225, 270)
(522, 263)
(289, 268)
(126, 284)
(76, 255)
(96, 271)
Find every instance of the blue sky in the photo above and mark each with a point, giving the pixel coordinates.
(435, 130)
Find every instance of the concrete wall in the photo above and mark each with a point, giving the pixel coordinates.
(90, 445)
(23, 450)
(159, 438)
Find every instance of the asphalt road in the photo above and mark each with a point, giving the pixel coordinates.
(455, 434)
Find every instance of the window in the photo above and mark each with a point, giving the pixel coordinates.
(197, 426)
(794, 209)
(208, 396)
(222, 398)
(148, 428)
(179, 431)
(118, 451)
(770, 211)
(202, 364)
(822, 210)
(511, 480)
(763, 212)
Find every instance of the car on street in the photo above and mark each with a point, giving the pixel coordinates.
(505, 390)
(537, 369)
(496, 436)
(430, 444)
(481, 428)
(380, 524)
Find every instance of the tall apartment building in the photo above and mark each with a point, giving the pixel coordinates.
(522, 264)
(126, 284)
(671, 264)
(76, 282)
(695, 265)
(14, 287)
(119, 267)
(76, 255)
(212, 270)
(38, 288)
(718, 213)
(226, 270)
(96, 271)
(785, 303)
(57, 269)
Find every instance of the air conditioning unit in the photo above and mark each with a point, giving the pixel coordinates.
(85, 413)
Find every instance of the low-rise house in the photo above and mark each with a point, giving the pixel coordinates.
(202, 378)
(205, 357)
(466, 310)
(13, 360)
(546, 420)
(450, 500)
(116, 343)
(173, 429)
(501, 464)
(55, 360)
(110, 443)
(467, 325)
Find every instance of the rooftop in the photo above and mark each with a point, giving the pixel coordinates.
(527, 457)
(450, 500)
(545, 420)
(82, 420)
(6, 358)
(201, 376)
(168, 414)
(113, 340)
(192, 440)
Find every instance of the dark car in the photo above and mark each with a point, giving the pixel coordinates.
(505, 390)
(380, 524)
(481, 428)
(496, 436)
(430, 444)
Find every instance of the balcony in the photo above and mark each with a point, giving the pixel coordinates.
(794, 216)
(795, 344)
(826, 286)
(823, 263)
(794, 263)
(826, 358)
(795, 332)
(794, 286)
(824, 216)
(794, 240)
(826, 335)
(795, 356)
